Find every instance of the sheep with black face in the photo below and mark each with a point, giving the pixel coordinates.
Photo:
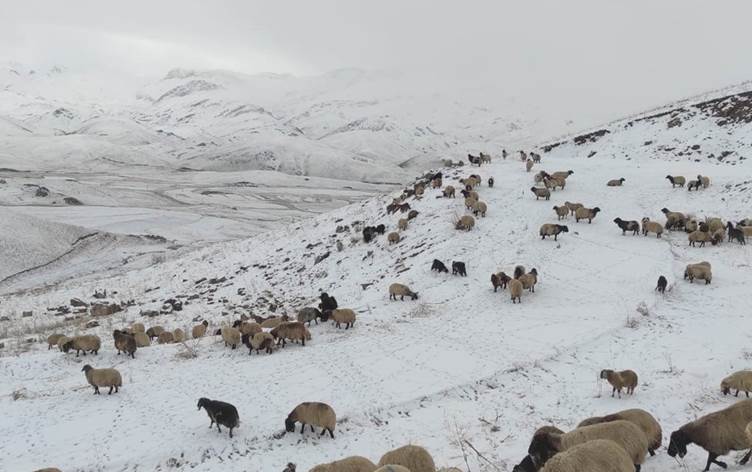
(220, 413)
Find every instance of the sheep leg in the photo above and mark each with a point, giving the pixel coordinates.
(218, 429)
(230, 432)
(746, 457)
(110, 392)
(302, 428)
(737, 393)
(96, 390)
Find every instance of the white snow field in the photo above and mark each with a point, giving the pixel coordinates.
(460, 366)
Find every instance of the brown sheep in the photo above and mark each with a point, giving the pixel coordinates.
(541, 193)
(231, 336)
(701, 271)
(651, 227)
(402, 224)
(554, 182)
(166, 338)
(400, 290)
(344, 316)
(293, 330)
(573, 206)
(562, 174)
(469, 202)
(393, 237)
(529, 280)
(528, 165)
(561, 212)
(124, 342)
(154, 332)
(465, 223)
(741, 380)
(52, 340)
(619, 380)
(644, 420)
(704, 180)
(515, 290)
(598, 455)
(313, 414)
(480, 208)
(698, 237)
(414, 458)
(500, 280)
(199, 330)
(448, 191)
(616, 182)
(103, 378)
(348, 464)
(586, 214)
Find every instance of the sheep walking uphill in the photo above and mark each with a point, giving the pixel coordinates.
(439, 266)
(220, 413)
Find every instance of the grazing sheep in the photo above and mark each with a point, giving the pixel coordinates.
(400, 290)
(735, 233)
(598, 455)
(586, 214)
(674, 219)
(469, 202)
(693, 184)
(573, 206)
(528, 165)
(142, 340)
(414, 458)
(231, 336)
(448, 191)
(705, 181)
(439, 266)
(561, 212)
(274, 321)
(137, 328)
(691, 225)
(465, 223)
(199, 330)
(718, 433)
(490, 182)
(402, 224)
(562, 174)
(313, 414)
(348, 464)
(626, 434)
(549, 229)
(458, 268)
(308, 314)
(676, 180)
(625, 226)
(529, 280)
(124, 342)
(62, 342)
(714, 224)
(178, 335)
(412, 214)
(515, 290)
(619, 380)
(651, 227)
(87, 342)
(52, 340)
(698, 237)
(293, 330)
(701, 271)
(392, 468)
(644, 420)
(662, 284)
(541, 193)
(480, 208)
(343, 315)
(103, 378)
(741, 380)
(393, 237)
(616, 182)
(380, 229)
(154, 332)
(166, 338)
(221, 413)
(500, 280)
(259, 341)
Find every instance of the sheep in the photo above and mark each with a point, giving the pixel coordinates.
(154, 332)
(392, 468)
(704, 180)
(327, 302)
(313, 414)
(701, 270)
(691, 225)
(87, 342)
(515, 290)
(48, 469)
(693, 184)
(393, 237)
(741, 380)
(458, 268)
(52, 340)
(615, 182)
(465, 223)
(103, 378)
(528, 165)
(293, 330)
(562, 174)
(698, 237)
(626, 434)
(490, 182)
(561, 212)
(529, 280)
(541, 176)
(348, 464)
(555, 181)
(651, 227)
(485, 158)
(178, 335)
(573, 206)
(439, 266)
(644, 420)
(519, 271)
(661, 285)
(199, 330)
(124, 342)
(674, 219)
(62, 342)
(308, 314)
(718, 433)
(274, 321)
(448, 191)
(586, 214)
(400, 290)
(436, 182)
(259, 341)
(469, 202)
(380, 229)
(735, 233)
(500, 280)
(619, 380)
(142, 340)
(480, 208)
(597, 455)
(676, 180)
(402, 224)
(412, 214)
(541, 193)
(137, 328)
(221, 413)
(231, 336)
(549, 229)
(414, 458)
(343, 315)
(249, 328)
(745, 222)
(166, 338)
(625, 226)
(747, 230)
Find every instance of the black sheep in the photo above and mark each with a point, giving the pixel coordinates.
(735, 233)
(439, 266)
(627, 226)
(490, 182)
(327, 303)
(458, 268)
(662, 284)
(221, 413)
(369, 232)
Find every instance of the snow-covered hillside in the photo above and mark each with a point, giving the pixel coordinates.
(460, 363)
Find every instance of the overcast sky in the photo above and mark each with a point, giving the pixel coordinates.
(619, 55)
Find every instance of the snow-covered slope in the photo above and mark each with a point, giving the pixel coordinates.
(460, 363)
